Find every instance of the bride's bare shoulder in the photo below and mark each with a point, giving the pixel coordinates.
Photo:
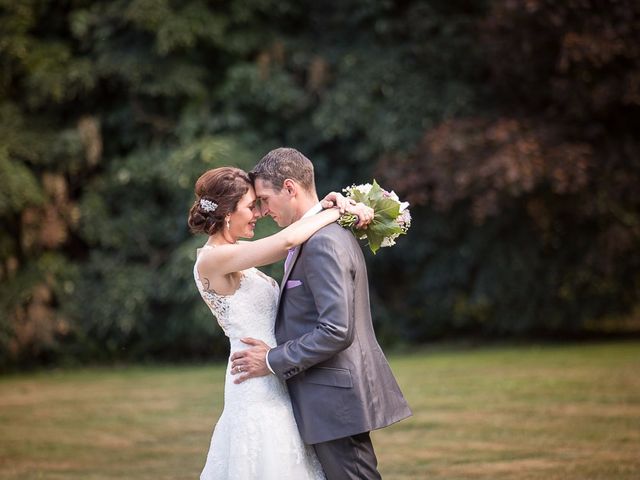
(212, 275)
(209, 256)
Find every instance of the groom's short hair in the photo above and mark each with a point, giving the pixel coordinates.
(282, 163)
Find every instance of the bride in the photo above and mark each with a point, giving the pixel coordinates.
(256, 436)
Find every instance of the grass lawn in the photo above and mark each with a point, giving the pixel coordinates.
(527, 412)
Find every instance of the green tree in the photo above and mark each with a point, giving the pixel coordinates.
(507, 125)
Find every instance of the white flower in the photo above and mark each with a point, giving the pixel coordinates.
(363, 188)
(404, 220)
(388, 241)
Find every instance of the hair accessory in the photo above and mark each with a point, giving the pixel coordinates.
(208, 205)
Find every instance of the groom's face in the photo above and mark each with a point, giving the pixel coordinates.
(275, 202)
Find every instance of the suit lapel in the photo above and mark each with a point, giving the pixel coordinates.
(287, 272)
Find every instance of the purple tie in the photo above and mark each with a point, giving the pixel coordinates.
(288, 259)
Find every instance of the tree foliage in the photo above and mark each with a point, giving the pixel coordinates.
(547, 175)
(507, 124)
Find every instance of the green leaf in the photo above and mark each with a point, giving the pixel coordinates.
(21, 187)
(374, 240)
(386, 208)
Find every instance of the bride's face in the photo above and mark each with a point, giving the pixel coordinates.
(242, 221)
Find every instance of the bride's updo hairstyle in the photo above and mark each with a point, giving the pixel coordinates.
(218, 192)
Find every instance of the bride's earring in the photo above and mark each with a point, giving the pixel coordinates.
(228, 224)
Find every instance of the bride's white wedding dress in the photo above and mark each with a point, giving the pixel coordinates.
(256, 436)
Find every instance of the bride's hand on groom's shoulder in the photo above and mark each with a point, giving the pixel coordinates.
(251, 362)
(337, 200)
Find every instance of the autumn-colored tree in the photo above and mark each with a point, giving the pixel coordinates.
(554, 152)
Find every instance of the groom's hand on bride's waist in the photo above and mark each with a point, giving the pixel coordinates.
(251, 362)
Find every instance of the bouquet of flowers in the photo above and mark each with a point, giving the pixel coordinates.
(391, 216)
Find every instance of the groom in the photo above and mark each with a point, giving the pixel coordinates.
(339, 380)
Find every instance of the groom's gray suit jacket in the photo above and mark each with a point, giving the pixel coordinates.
(338, 378)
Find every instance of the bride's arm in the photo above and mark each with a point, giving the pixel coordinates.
(240, 256)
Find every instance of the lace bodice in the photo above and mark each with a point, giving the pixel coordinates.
(250, 311)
